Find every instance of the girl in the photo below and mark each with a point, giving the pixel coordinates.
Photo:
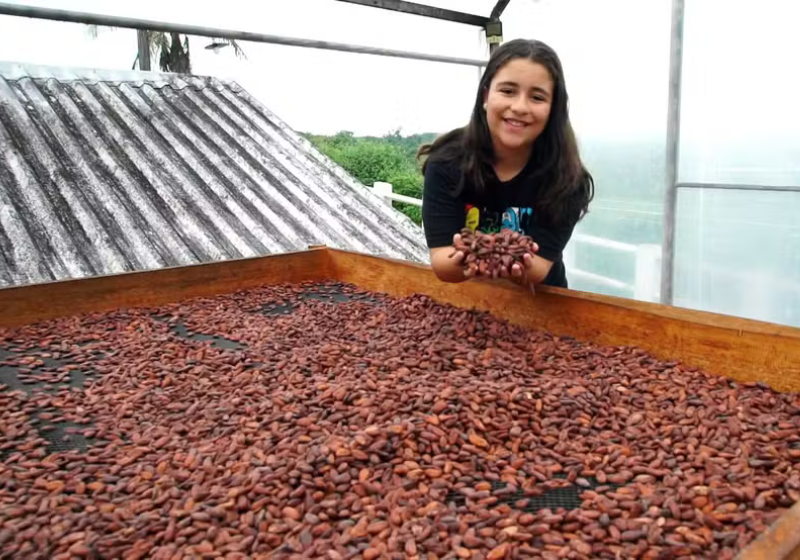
(514, 166)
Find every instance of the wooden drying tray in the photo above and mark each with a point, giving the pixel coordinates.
(780, 542)
(741, 349)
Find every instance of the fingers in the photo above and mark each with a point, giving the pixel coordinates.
(457, 257)
(520, 271)
(528, 260)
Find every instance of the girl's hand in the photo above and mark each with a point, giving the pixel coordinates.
(448, 262)
(526, 272)
(456, 259)
(532, 271)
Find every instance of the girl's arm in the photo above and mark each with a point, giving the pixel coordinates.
(443, 216)
(447, 263)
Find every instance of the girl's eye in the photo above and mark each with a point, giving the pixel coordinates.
(506, 91)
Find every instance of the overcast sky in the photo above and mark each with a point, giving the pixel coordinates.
(741, 82)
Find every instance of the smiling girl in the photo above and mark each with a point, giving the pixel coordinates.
(515, 166)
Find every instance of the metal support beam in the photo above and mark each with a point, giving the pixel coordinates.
(423, 10)
(133, 23)
(735, 187)
(673, 146)
(494, 29)
(144, 50)
(499, 8)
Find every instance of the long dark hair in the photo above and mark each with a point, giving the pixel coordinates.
(565, 186)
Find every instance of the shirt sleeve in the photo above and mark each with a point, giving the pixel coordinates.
(443, 214)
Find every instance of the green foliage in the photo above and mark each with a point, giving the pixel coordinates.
(390, 158)
(172, 49)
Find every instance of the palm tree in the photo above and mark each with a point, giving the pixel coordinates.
(171, 48)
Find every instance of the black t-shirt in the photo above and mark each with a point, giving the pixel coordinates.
(506, 205)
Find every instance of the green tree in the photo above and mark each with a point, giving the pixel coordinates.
(172, 49)
(391, 158)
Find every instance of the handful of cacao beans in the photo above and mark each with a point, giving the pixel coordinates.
(491, 254)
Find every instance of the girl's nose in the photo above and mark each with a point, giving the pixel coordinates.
(520, 104)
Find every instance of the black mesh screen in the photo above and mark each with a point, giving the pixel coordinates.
(24, 378)
(277, 309)
(566, 498)
(332, 293)
(216, 341)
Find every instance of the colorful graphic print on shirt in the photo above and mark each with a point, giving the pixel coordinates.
(493, 221)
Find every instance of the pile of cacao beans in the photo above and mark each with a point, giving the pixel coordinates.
(375, 427)
(493, 254)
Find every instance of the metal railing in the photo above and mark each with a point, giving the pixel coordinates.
(89, 18)
(738, 187)
(646, 262)
(384, 190)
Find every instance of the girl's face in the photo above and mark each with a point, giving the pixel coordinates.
(518, 105)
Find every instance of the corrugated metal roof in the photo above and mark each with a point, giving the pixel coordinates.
(108, 172)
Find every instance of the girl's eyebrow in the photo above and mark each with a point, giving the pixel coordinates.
(515, 84)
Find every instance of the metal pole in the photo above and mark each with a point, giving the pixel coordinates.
(423, 10)
(494, 29)
(673, 146)
(482, 44)
(499, 8)
(133, 23)
(740, 187)
(144, 50)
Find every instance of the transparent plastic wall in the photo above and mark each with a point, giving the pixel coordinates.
(615, 55)
(738, 251)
